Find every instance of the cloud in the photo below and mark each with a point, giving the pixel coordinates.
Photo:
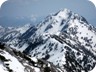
(34, 18)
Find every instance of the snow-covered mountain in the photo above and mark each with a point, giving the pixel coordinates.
(2, 31)
(10, 33)
(65, 38)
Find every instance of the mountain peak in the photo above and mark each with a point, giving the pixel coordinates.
(64, 13)
(60, 21)
(65, 10)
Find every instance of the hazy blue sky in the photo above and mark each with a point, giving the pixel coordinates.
(20, 12)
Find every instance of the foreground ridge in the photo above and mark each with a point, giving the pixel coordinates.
(15, 61)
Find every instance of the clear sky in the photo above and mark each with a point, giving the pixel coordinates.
(19, 12)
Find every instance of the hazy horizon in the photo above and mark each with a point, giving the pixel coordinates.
(20, 12)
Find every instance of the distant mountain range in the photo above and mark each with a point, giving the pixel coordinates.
(65, 39)
(19, 21)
